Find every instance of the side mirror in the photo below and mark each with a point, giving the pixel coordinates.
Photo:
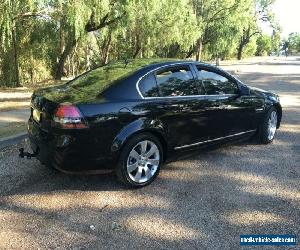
(244, 90)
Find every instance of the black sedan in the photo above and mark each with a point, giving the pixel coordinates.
(129, 117)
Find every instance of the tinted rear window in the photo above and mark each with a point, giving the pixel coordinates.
(148, 86)
(176, 81)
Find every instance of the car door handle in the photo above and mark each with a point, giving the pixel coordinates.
(259, 109)
(124, 111)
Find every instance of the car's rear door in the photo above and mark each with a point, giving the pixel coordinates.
(180, 105)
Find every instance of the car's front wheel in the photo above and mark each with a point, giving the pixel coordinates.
(268, 127)
(140, 160)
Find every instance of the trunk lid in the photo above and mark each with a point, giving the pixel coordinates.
(63, 94)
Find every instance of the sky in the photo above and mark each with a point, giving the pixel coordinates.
(287, 13)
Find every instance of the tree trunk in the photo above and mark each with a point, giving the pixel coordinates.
(137, 51)
(190, 53)
(69, 65)
(106, 55)
(106, 50)
(199, 49)
(16, 57)
(172, 51)
(73, 66)
(137, 46)
(87, 58)
(73, 54)
(245, 39)
(61, 63)
(240, 50)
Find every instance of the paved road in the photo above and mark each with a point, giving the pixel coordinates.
(19, 115)
(204, 201)
(18, 98)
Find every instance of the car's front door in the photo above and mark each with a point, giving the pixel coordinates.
(230, 112)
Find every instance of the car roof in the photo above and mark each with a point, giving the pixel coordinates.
(166, 63)
(154, 66)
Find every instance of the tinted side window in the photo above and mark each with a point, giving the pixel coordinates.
(148, 86)
(216, 84)
(176, 81)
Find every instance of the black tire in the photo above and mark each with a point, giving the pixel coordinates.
(121, 169)
(263, 131)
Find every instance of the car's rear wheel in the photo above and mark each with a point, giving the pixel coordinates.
(268, 127)
(140, 160)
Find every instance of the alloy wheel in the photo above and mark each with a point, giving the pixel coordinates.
(272, 125)
(143, 161)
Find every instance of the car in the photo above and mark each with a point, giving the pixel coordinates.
(129, 117)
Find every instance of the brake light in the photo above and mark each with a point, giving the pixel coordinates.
(68, 117)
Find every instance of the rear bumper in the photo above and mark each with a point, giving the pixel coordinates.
(66, 152)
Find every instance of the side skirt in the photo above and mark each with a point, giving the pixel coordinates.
(215, 140)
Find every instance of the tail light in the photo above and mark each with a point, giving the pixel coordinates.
(68, 117)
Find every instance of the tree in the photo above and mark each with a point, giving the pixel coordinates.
(276, 41)
(285, 47)
(46, 39)
(149, 28)
(259, 10)
(211, 14)
(264, 45)
(77, 18)
(12, 12)
(293, 43)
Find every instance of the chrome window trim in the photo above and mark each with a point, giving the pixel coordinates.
(171, 97)
(212, 140)
(164, 66)
(188, 96)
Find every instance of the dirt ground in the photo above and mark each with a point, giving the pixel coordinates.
(204, 201)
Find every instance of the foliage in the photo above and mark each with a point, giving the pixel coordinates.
(264, 45)
(47, 39)
(259, 12)
(293, 43)
(276, 41)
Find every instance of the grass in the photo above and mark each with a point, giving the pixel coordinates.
(12, 128)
